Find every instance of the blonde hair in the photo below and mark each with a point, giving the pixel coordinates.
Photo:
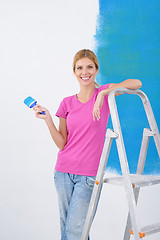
(86, 53)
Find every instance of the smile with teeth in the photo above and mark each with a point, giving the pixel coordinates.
(85, 78)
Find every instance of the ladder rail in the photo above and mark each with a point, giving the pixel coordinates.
(140, 169)
(147, 107)
(98, 184)
(123, 160)
(132, 216)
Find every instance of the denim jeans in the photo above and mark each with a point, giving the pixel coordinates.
(74, 194)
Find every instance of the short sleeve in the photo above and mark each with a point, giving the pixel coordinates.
(103, 87)
(62, 112)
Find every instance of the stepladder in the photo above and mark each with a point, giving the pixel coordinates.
(131, 182)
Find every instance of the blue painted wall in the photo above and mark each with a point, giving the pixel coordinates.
(128, 46)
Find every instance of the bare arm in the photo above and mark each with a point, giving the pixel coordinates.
(129, 83)
(58, 137)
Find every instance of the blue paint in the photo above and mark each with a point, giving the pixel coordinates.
(31, 102)
(128, 46)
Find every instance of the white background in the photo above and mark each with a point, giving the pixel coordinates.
(38, 40)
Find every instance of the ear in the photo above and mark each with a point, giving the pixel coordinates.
(97, 70)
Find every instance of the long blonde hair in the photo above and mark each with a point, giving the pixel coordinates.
(86, 53)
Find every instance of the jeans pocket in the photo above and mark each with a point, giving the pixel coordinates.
(90, 181)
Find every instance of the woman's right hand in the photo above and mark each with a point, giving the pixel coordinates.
(38, 109)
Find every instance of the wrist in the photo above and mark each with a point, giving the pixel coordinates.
(48, 118)
(103, 92)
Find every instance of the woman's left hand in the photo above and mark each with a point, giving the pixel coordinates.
(97, 106)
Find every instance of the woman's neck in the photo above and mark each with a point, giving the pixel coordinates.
(85, 93)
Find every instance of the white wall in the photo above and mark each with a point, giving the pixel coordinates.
(37, 44)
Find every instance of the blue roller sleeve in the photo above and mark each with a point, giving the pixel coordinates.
(30, 102)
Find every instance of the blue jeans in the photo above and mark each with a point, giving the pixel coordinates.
(74, 194)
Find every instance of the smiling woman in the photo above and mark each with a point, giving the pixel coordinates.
(80, 126)
(83, 60)
(85, 68)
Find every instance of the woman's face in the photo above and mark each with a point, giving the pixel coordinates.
(85, 71)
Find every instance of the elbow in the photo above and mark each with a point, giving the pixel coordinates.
(136, 83)
(139, 83)
(62, 147)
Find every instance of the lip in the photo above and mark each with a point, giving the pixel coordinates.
(87, 78)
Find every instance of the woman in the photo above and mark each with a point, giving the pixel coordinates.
(83, 120)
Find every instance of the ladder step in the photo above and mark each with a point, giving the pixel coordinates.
(136, 179)
(148, 230)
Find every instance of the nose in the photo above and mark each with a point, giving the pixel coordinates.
(84, 71)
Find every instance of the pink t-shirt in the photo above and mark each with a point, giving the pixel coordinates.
(82, 152)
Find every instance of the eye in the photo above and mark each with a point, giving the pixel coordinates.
(79, 67)
(90, 66)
